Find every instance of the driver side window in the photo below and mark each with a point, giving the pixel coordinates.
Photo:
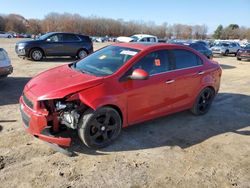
(154, 63)
(56, 38)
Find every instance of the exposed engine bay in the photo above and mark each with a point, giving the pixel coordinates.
(68, 112)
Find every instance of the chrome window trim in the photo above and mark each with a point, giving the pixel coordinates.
(176, 70)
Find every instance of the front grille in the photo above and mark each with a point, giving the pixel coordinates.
(28, 102)
(25, 118)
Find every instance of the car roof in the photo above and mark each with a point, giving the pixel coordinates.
(66, 33)
(143, 35)
(145, 45)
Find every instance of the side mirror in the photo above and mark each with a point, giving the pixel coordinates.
(48, 40)
(139, 74)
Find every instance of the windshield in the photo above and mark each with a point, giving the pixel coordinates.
(105, 61)
(43, 37)
(3, 55)
(247, 47)
(222, 44)
(135, 38)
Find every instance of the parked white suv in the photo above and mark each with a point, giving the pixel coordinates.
(138, 38)
(225, 48)
(5, 65)
(5, 35)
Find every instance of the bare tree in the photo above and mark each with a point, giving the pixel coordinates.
(98, 26)
(2, 23)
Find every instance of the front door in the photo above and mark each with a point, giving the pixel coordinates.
(54, 45)
(147, 99)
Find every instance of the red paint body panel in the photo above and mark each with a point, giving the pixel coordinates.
(137, 100)
(58, 82)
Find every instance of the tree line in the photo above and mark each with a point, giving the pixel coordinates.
(96, 26)
(232, 31)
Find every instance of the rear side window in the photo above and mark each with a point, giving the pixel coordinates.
(185, 59)
(195, 46)
(70, 38)
(85, 38)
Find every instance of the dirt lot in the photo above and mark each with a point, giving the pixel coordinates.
(180, 150)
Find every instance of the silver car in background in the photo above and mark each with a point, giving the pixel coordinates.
(5, 35)
(5, 64)
(225, 48)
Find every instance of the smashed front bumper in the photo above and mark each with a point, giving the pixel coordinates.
(36, 123)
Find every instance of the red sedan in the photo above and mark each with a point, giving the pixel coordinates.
(118, 86)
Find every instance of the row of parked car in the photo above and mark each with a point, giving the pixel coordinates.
(223, 48)
(4, 34)
(5, 64)
(79, 46)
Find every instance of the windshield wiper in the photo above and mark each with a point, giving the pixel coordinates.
(86, 72)
(80, 70)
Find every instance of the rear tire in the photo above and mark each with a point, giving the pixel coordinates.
(82, 54)
(236, 53)
(203, 101)
(99, 128)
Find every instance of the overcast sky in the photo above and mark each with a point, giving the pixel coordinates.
(209, 12)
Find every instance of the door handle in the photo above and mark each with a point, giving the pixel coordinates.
(169, 81)
(201, 72)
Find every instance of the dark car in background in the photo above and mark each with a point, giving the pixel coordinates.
(202, 49)
(244, 53)
(199, 46)
(55, 44)
(5, 64)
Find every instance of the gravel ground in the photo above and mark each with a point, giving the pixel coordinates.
(180, 150)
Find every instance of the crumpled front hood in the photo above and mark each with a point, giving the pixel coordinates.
(59, 82)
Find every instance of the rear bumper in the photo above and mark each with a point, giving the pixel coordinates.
(218, 52)
(36, 124)
(243, 56)
(4, 71)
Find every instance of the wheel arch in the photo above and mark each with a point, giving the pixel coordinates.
(200, 90)
(111, 106)
(116, 108)
(82, 49)
(39, 48)
(207, 86)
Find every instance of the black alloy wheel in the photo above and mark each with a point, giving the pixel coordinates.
(203, 101)
(99, 128)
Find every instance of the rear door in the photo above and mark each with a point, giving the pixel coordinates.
(71, 44)
(189, 71)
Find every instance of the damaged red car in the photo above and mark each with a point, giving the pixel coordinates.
(117, 86)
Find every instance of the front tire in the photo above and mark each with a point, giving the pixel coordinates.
(226, 53)
(36, 54)
(99, 128)
(203, 101)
